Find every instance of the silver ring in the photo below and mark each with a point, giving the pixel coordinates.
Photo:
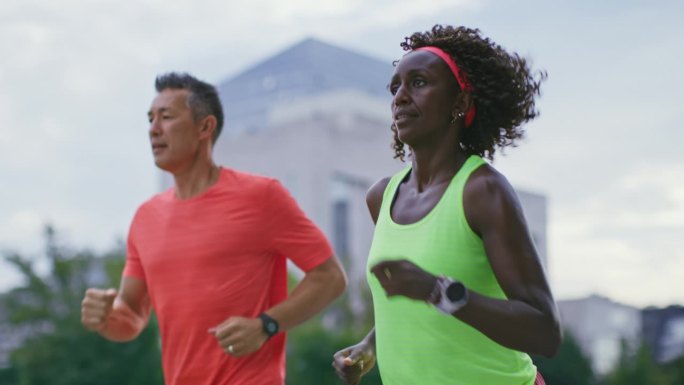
(230, 349)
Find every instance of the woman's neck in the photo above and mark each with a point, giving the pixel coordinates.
(435, 165)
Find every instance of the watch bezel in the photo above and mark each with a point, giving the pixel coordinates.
(447, 305)
(455, 286)
(269, 325)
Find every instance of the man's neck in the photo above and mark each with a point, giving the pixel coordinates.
(196, 180)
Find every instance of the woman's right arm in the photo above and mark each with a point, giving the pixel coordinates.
(352, 362)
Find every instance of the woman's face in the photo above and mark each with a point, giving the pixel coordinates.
(425, 94)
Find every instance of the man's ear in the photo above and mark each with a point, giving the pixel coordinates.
(207, 127)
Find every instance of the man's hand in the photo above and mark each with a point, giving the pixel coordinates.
(239, 336)
(95, 308)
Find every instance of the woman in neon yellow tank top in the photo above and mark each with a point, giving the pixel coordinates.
(459, 294)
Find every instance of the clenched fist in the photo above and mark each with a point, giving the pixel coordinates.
(354, 362)
(96, 306)
(240, 336)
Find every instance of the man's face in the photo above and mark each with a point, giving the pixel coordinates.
(174, 134)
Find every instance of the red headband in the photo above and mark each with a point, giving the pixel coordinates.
(460, 78)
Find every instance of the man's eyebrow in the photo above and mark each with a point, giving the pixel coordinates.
(160, 109)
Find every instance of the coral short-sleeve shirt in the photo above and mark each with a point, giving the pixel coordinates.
(217, 255)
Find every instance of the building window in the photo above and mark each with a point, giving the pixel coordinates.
(341, 229)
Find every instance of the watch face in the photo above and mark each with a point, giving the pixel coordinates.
(455, 292)
(270, 325)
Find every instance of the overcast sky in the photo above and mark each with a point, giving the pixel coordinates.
(76, 80)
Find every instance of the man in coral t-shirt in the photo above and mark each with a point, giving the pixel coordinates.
(209, 256)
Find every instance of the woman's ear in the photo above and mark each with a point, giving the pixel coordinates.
(463, 103)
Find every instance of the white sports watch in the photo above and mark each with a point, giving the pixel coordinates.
(449, 295)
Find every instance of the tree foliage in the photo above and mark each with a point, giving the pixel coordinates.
(637, 368)
(46, 310)
(568, 367)
(674, 371)
(310, 352)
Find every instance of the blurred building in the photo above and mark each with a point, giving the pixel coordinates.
(600, 327)
(663, 332)
(534, 205)
(317, 117)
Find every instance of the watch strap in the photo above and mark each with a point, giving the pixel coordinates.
(270, 325)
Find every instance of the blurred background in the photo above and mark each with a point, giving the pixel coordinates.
(600, 173)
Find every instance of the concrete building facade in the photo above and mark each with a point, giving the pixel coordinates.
(663, 332)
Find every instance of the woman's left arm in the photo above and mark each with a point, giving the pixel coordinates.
(528, 319)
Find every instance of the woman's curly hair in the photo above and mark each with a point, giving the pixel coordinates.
(504, 87)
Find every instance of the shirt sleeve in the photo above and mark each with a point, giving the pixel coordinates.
(133, 267)
(291, 233)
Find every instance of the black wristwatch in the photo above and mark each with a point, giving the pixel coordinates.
(269, 324)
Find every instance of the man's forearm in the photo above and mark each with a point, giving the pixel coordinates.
(123, 324)
(319, 287)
